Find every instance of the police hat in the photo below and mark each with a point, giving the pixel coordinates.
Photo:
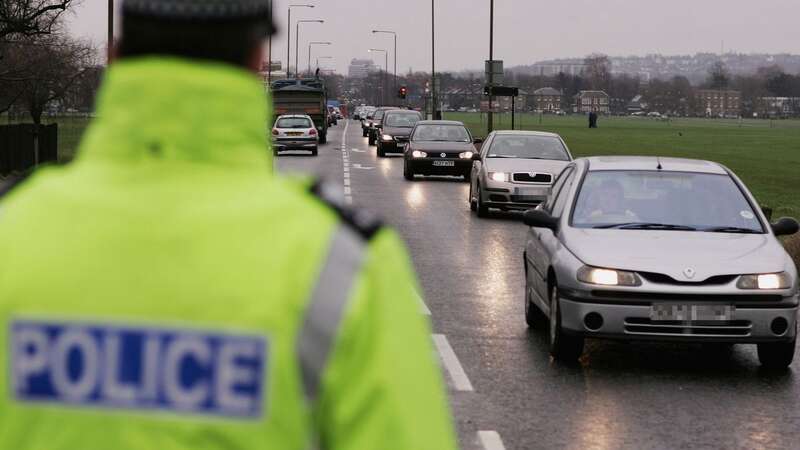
(199, 10)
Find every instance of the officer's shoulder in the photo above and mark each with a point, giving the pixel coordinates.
(10, 183)
(363, 222)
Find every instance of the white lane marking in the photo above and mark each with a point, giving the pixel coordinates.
(450, 360)
(359, 166)
(491, 440)
(357, 150)
(348, 192)
(422, 305)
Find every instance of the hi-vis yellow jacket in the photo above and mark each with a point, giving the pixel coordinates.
(166, 291)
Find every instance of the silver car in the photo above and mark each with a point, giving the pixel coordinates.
(659, 249)
(515, 169)
(295, 132)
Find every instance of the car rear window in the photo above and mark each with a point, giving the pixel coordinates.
(293, 122)
(402, 120)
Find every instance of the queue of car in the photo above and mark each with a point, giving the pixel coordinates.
(628, 248)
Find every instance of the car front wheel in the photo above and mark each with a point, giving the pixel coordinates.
(407, 173)
(381, 151)
(483, 210)
(563, 347)
(776, 355)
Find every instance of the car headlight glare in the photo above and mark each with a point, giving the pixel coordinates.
(419, 154)
(764, 281)
(500, 177)
(386, 137)
(465, 155)
(608, 277)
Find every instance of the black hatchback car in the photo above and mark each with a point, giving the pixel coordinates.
(395, 130)
(439, 147)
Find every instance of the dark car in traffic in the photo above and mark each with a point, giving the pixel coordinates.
(375, 122)
(439, 147)
(395, 131)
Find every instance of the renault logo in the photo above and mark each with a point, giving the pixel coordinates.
(443, 155)
(689, 272)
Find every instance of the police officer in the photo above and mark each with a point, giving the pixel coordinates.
(166, 291)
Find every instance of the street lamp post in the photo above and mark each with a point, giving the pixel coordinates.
(433, 59)
(385, 68)
(395, 52)
(309, 53)
(490, 114)
(289, 39)
(110, 30)
(297, 43)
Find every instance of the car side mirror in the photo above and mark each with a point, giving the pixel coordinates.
(476, 156)
(539, 218)
(785, 226)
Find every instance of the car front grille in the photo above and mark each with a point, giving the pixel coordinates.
(661, 278)
(523, 177)
(732, 328)
(438, 155)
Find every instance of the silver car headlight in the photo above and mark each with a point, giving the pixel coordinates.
(500, 177)
(465, 155)
(387, 137)
(764, 281)
(608, 277)
(419, 154)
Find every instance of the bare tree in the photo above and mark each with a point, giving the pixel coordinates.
(598, 71)
(47, 68)
(31, 17)
(718, 76)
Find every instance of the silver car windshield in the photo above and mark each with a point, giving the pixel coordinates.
(441, 133)
(663, 200)
(293, 122)
(528, 147)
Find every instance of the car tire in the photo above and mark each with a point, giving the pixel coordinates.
(776, 355)
(323, 138)
(472, 205)
(407, 173)
(381, 151)
(482, 210)
(364, 133)
(534, 317)
(371, 140)
(563, 347)
(315, 151)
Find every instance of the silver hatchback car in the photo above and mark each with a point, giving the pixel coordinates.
(659, 249)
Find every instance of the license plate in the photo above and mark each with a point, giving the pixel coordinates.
(691, 313)
(444, 163)
(538, 192)
(294, 133)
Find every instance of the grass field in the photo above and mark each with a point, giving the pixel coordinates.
(766, 155)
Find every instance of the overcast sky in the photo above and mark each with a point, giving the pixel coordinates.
(525, 30)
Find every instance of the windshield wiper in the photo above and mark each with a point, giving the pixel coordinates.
(732, 230)
(646, 226)
(503, 156)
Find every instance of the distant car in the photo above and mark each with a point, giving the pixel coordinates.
(375, 123)
(645, 248)
(515, 170)
(439, 147)
(366, 116)
(654, 114)
(295, 132)
(395, 131)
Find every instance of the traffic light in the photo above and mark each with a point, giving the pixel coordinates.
(403, 92)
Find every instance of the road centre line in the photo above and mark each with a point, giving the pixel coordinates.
(451, 364)
(348, 192)
(422, 305)
(491, 440)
